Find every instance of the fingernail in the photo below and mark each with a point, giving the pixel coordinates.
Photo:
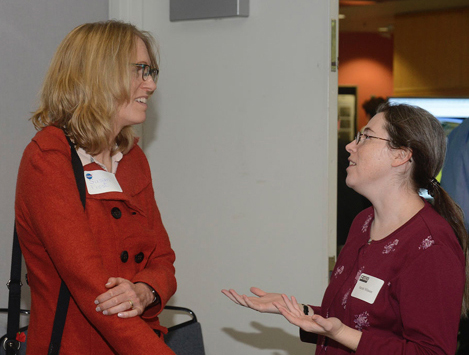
(119, 315)
(98, 309)
(96, 302)
(105, 313)
(108, 283)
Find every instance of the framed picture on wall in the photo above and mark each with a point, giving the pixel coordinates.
(347, 112)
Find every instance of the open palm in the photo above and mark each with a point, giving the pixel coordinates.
(293, 312)
(261, 302)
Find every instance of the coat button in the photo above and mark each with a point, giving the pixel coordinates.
(139, 258)
(124, 256)
(116, 213)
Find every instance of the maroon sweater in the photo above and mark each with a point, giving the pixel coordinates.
(417, 308)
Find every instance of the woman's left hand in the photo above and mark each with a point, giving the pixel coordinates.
(330, 327)
(124, 298)
(293, 312)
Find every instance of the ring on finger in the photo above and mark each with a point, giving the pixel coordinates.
(131, 304)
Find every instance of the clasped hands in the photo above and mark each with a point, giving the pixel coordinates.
(124, 298)
(265, 302)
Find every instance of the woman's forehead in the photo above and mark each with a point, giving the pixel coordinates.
(376, 124)
(140, 52)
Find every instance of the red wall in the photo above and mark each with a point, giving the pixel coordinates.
(365, 61)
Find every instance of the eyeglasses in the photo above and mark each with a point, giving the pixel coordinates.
(147, 71)
(359, 136)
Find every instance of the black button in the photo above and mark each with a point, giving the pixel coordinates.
(124, 256)
(116, 213)
(139, 258)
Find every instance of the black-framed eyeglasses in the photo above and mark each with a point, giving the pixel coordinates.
(147, 71)
(359, 136)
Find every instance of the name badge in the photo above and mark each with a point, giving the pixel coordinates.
(100, 181)
(367, 288)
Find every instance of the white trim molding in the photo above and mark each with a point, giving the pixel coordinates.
(127, 10)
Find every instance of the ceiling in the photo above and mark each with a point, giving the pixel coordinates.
(369, 16)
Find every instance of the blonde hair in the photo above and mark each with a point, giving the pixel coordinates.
(88, 80)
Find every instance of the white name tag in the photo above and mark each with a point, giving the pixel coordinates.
(367, 288)
(100, 181)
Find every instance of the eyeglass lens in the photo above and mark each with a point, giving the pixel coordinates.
(147, 71)
(358, 137)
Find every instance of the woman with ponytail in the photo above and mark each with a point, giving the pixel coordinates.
(400, 282)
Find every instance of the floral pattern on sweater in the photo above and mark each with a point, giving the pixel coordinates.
(367, 223)
(361, 321)
(391, 246)
(426, 243)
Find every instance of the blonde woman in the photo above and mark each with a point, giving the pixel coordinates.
(114, 256)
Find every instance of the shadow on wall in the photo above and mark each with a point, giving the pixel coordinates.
(269, 338)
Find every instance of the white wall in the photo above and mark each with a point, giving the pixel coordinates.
(241, 138)
(30, 31)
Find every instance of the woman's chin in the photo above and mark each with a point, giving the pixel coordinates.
(349, 183)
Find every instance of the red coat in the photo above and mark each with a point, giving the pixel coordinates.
(87, 247)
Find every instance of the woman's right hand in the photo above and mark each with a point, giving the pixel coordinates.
(262, 302)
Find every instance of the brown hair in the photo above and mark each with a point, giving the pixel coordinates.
(415, 129)
(88, 80)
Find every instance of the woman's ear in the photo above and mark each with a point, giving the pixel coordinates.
(402, 156)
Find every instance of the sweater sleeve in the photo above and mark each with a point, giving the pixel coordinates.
(48, 206)
(430, 296)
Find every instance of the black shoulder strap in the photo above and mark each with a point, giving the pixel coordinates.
(64, 294)
(79, 173)
(10, 344)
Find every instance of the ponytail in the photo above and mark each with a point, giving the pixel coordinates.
(454, 215)
(415, 129)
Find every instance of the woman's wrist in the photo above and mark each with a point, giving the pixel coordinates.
(156, 297)
(152, 296)
(348, 337)
(307, 309)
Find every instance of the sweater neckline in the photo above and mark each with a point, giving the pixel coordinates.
(369, 241)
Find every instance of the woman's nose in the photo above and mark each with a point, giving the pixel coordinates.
(351, 146)
(149, 84)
